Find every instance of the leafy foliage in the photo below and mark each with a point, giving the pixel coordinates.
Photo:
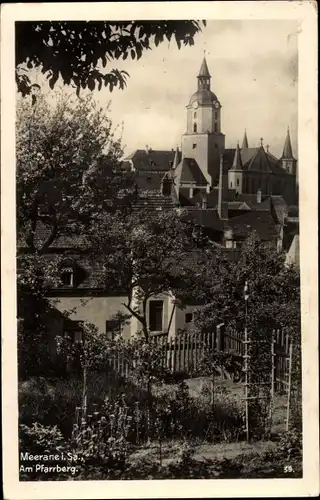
(147, 254)
(79, 51)
(67, 169)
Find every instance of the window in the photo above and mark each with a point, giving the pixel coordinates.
(156, 315)
(189, 317)
(216, 127)
(216, 115)
(73, 330)
(113, 327)
(231, 184)
(238, 182)
(67, 276)
(195, 127)
(195, 115)
(166, 187)
(194, 145)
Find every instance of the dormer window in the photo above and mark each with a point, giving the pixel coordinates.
(67, 276)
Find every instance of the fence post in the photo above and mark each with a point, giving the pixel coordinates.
(289, 386)
(219, 336)
(272, 364)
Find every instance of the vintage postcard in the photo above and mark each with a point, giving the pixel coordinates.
(159, 250)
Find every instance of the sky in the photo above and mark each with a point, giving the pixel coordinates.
(254, 70)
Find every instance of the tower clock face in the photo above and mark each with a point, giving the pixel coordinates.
(195, 105)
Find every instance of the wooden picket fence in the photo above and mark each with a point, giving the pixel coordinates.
(185, 352)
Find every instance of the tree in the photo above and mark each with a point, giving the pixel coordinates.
(68, 159)
(76, 50)
(273, 303)
(149, 253)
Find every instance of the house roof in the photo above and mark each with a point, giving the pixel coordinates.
(205, 218)
(151, 160)
(261, 221)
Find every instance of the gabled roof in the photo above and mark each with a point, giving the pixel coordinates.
(238, 205)
(151, 160)
(188, 170)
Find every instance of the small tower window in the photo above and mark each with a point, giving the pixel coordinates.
(216, 127)
(194, 145)
(231, 184)
(195, 127)
(195, 115)
(216, 115)
(237, 182)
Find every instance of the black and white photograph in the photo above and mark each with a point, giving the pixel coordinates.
(159, 197)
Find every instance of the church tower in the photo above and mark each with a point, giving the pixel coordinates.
(203, 139)
(289, 163)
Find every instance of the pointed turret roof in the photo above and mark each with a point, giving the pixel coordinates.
(245, 141)
(176, 159)
(287, 149)
(237, 160)
(204, 71)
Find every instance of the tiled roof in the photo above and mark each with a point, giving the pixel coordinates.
(189, 171)
(260, 221)
(147, 181)
(151, 160)
(154, 201)
(62, 241)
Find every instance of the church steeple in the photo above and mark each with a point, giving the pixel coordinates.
(245, 140)
(289, 163)
(287, 149)
(204, 76)
(237, 160)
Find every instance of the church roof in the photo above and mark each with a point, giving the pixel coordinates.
(260, 162)
(151, 160)
(204, 71)
(188, 170)
(287, 148)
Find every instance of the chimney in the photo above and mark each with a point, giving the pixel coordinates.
(259, 196)
(222, 192)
